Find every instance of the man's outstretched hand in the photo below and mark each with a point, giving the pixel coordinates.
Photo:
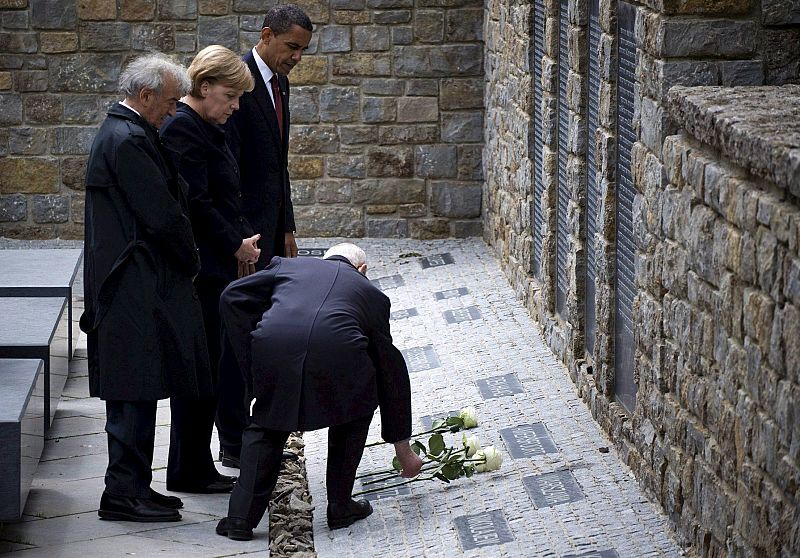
(410, 462)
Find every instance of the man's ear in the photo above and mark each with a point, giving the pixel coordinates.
(145, 95)
(266, 35)
(362, 269)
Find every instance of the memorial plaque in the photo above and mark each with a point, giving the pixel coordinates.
(624, 386)
(499, 386)
(390, 492)
(552, 489)
(484, 529)
(436, 260)
(451, 293)
(389, 282)
(312, 252)
(592, 183)
(402, 314)
(421, 358)
(610, 553)
(562, 192)
(427, 420)
(467, 314)
(538, 144)
(528, 440)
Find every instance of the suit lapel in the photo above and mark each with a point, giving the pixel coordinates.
(261, 95)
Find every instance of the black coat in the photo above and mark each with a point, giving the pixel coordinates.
(202, 157)
(262, 155)
(142, 317)
(313, 338)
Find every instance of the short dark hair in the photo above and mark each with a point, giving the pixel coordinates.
(281, 18)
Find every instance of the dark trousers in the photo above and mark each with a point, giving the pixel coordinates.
(131, 429)
(190, 459)
(261, 460)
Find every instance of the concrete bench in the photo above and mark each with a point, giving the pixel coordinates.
(42, 273)
(22, 401)
(37, 328)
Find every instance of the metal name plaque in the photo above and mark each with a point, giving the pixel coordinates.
(499, 386)
(427, 420)
(610, 553)
(390, 282)
(436, 260)
(484, 529)
(552, 489)
(528, 440)
(450, 293)
(388, 492)
(402, 314)
(467, 314)
(312, 252)
(421, 358)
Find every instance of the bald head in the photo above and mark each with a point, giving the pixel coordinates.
(353, 253)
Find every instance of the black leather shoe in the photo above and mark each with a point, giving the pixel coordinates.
(235, 529)
(223, 484)
(172, 502)
(123, 508)
(344, 515)
(228, 459)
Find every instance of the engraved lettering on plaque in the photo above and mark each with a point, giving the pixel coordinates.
(486, 529)
(436, 260)
(421, 358)
(552, 489)
(402, 314)
(390, 492)
(312, 252)
(610, 553)
(528, 440)
(390, 282)
(450, 293)
(462, 315)
(499, 386)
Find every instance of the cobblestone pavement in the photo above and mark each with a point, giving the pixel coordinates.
(468, 341)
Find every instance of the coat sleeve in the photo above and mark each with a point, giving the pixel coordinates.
(394, 386)
(184, 143)
(145, 188)
(241, 307)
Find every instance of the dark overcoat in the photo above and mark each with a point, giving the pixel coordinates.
(142, 317)
(261, 152)
(201, 155)
(314, 337)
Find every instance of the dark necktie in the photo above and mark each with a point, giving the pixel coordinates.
(276, 94)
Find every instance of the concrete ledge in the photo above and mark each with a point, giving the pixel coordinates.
(21, 431)
(757, 128)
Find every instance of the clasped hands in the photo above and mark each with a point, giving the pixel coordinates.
(247, 255)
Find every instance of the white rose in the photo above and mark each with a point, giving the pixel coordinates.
(471, 443)
(470, 417)
(492, 459)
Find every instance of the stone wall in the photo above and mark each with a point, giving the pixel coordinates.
(713, 431)
(387, 106)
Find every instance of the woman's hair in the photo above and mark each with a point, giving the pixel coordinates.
(219, 65)
(149, 72)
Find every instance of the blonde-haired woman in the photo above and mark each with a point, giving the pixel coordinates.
(228, 249)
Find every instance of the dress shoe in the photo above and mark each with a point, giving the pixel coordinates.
(344, 515)
(172, 502)
(123, 508)
(235, 529)
(221, 485)
(227, 459)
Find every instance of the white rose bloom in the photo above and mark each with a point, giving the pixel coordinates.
(470, 417)
(471, 443)
(493, 459)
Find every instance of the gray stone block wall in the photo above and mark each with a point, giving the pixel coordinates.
(712, 436)
(389, 90)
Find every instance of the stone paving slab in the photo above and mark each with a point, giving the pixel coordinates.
(468, 341)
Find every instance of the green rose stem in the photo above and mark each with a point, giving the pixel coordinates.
(390, 473)
(440, 430)
(415, 479)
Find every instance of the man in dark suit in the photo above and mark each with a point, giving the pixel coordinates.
(259, 130)
(313, 339)
(143, 322)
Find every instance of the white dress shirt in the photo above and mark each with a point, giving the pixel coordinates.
(266, 74)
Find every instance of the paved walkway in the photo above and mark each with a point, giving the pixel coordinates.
(469, 342)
